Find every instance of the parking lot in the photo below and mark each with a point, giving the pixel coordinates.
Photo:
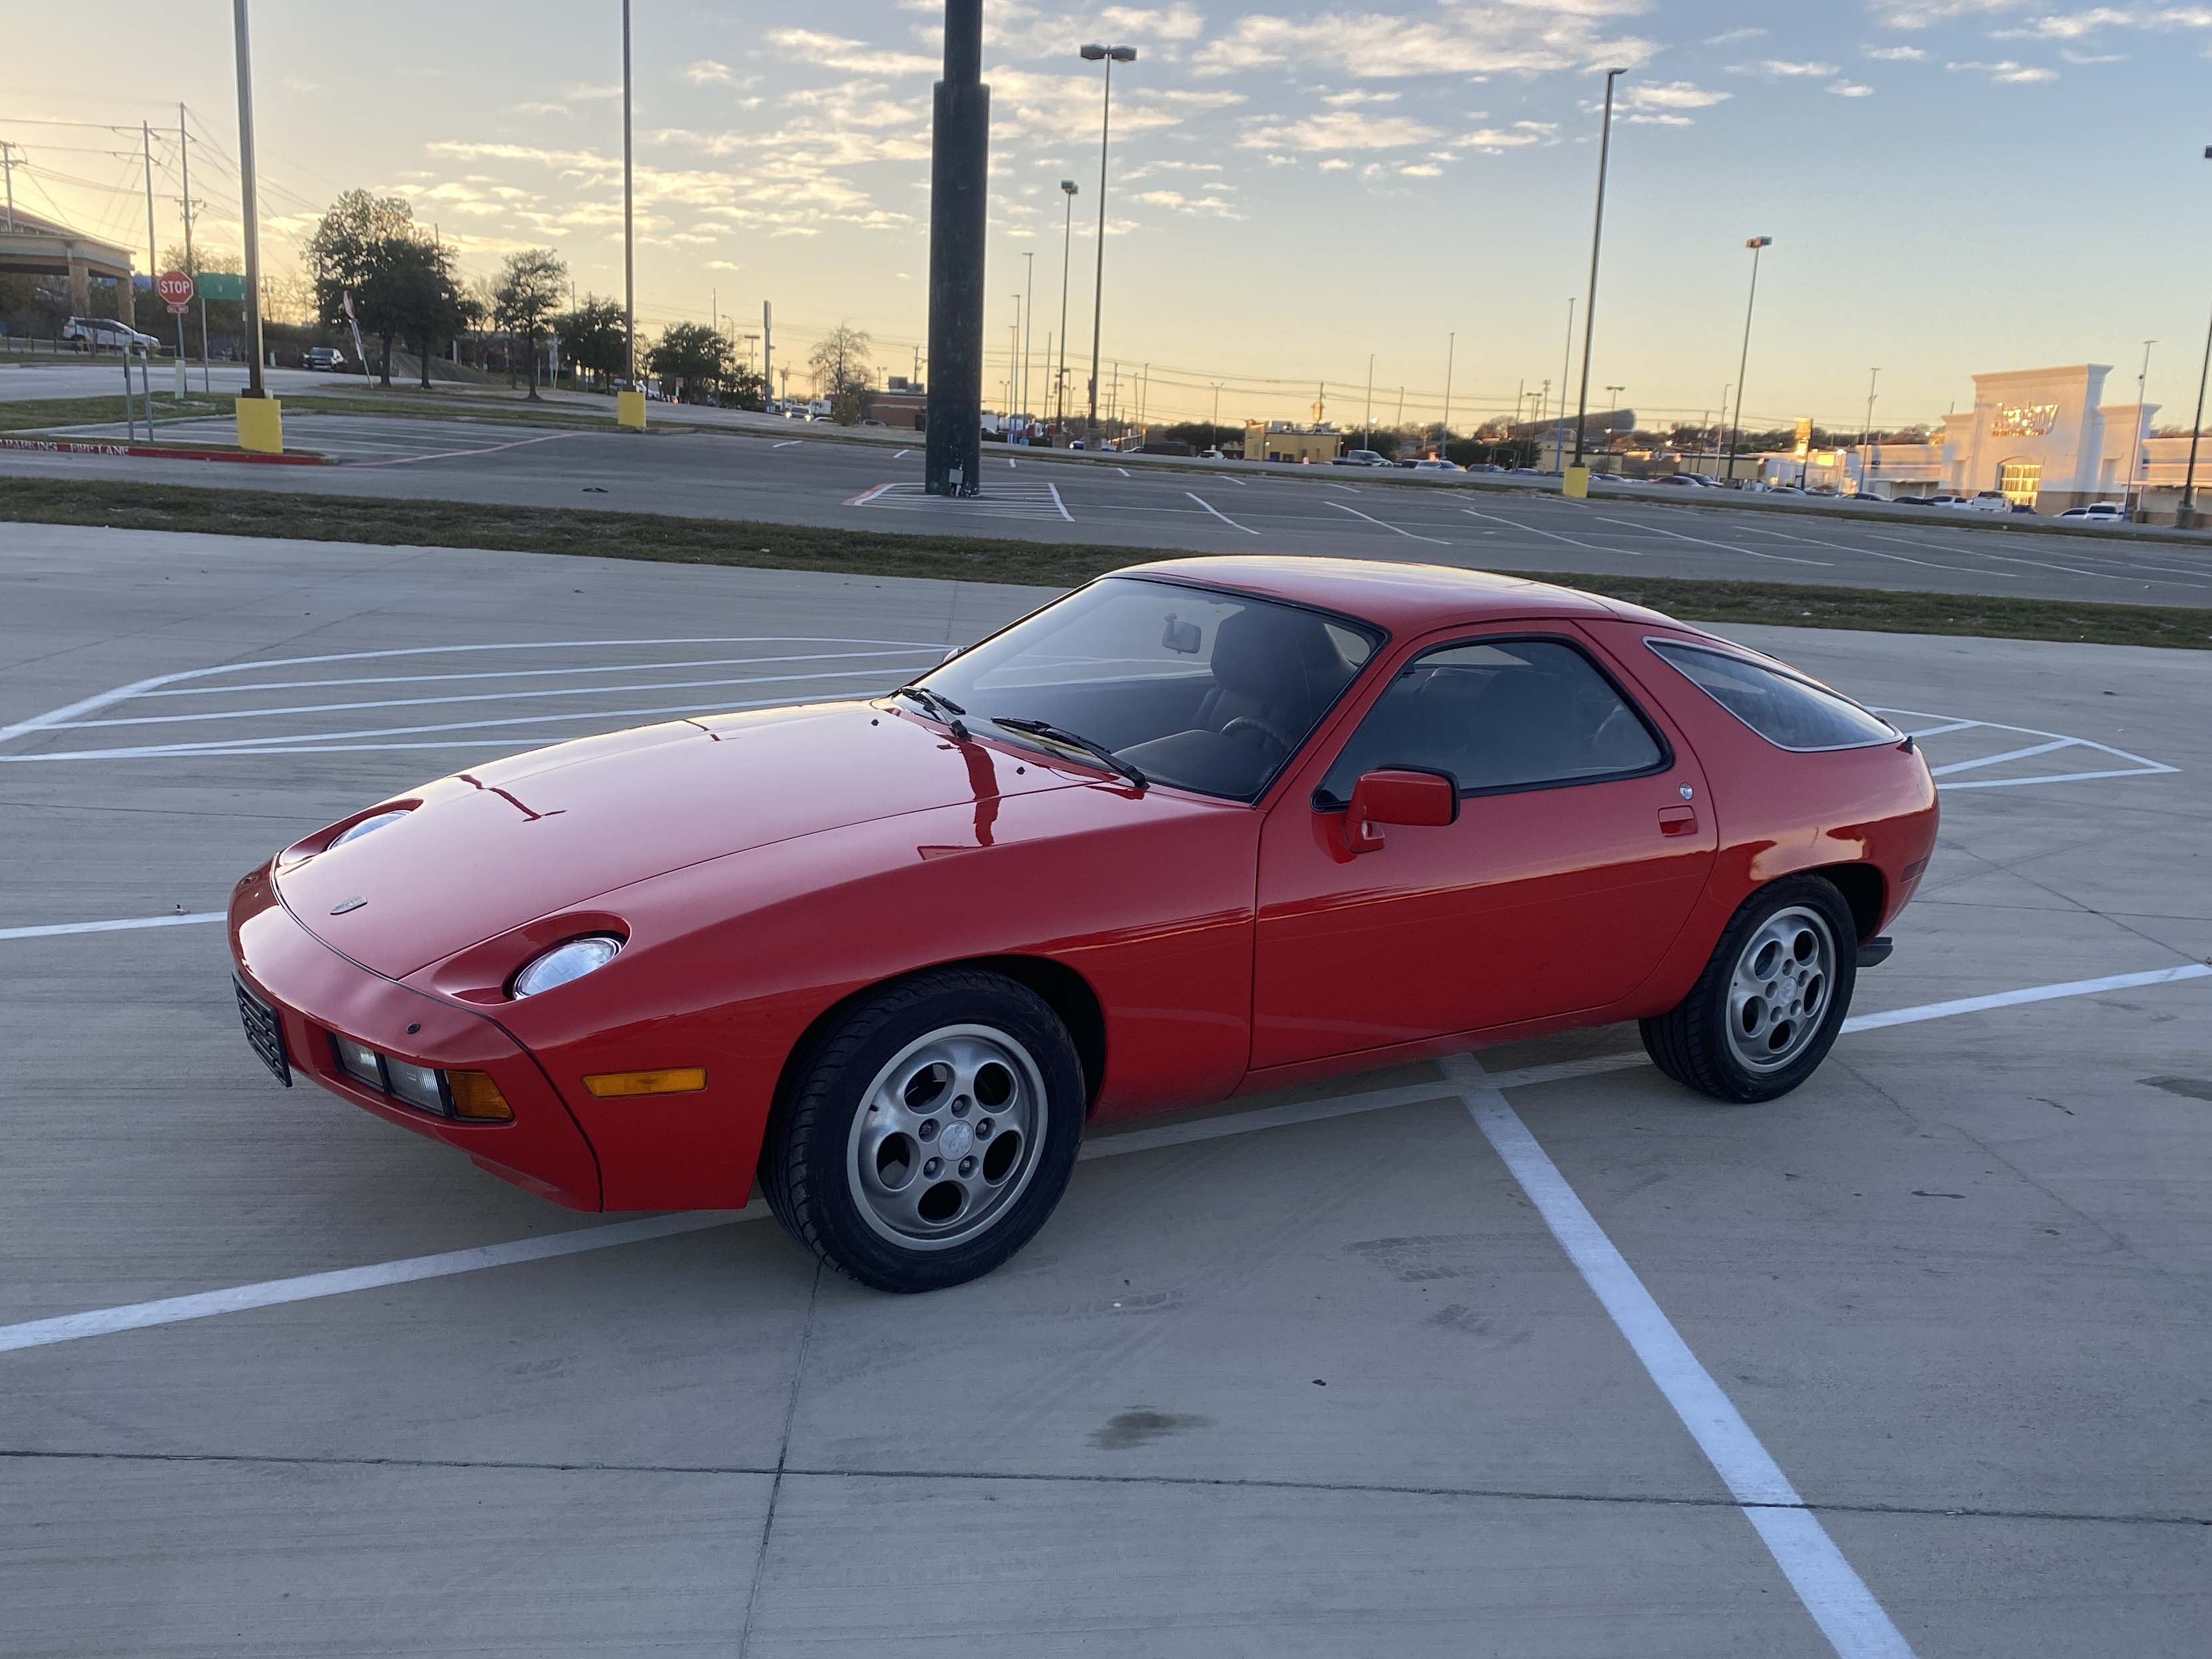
(816, 480)
(1536, 1354)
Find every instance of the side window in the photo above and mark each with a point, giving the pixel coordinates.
(1508, 714)
(1785, 711)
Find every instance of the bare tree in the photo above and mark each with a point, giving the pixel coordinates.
(841, 362)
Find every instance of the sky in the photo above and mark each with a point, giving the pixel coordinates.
(1951, 186)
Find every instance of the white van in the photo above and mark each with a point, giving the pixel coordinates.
(107, 334)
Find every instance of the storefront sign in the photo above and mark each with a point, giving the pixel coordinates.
(2024, 420)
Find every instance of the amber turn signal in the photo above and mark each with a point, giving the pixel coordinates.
(623, 1085)
(476, 1096)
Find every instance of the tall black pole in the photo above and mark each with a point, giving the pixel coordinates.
(1067, 253)
(958, 215)
(1757, 244)
(629, 230)
(1598, 235)
(1098, 286)
(2185, 517)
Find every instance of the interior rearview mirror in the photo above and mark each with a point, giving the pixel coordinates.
(1402, 796)
(1183, 638)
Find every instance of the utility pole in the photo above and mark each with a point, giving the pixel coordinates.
(959, 205)
(1866, 438)
(2136, 439)
(1597, 234)
(1566, 362)
(1066, 254)
(1757, 244)
(768, 351)
(153, 253)
(185, 167)
(629, 225)
(7, 171)
(1370, 400)
(250, 207)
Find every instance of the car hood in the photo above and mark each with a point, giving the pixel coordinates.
(488, 849)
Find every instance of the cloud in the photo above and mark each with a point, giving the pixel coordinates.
(537, 109)
(1508, 38)
(1339, 129)
(2008, 73)
(855, 56)
(1421, 170)
(1783, 69)
(1346, 100)
(581, 93)
(708, 73)
(1335, 164)
(1729, 36)
(2087, 57)
(1849, 89)
(1668, 95)
(1896, 54)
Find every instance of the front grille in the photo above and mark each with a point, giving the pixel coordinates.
(263, 1033)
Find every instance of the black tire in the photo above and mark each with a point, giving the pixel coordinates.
(1691, 1041)
(805, 1171)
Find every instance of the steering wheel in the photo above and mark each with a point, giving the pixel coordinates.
(1266, 730)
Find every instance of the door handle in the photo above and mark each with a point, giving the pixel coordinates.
(1677, 820)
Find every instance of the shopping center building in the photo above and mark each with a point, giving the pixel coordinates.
(2044, 437)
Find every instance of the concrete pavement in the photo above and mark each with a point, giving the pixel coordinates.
(1324, 1386)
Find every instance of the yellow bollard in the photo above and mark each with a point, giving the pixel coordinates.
(1575, 485)
(629, 409)
(261, 425)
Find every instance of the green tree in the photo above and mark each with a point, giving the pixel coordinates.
(841, 362)
(525, 298)
(691, 355)
(355, 249)
(593, 336)
(419, 296)
(744, 388)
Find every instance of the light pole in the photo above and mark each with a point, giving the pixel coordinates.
(1597, 234)
(959, 223)
(1370, 400)
(1443, 431)
(1028, 336)
(1109, 56)
(249, 206)
(1612, 408)
(2185, 517)
(1866, 438)
(629, 230)
(1213, 431)
(2136, 438)
(1013, 368)
(1756, 244)
(1566, 362)
(1067, 253)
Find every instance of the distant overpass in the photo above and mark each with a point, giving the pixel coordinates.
(42, 247)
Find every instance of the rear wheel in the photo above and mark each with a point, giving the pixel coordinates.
(931, 1132)
(1765, 1013)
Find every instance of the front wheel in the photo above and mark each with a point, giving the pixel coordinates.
(931, 1134)
(1765, 1013)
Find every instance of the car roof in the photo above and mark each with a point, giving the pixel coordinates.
(1402, 598)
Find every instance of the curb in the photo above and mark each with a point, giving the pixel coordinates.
(157, 452)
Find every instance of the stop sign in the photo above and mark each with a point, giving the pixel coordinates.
(175, 288)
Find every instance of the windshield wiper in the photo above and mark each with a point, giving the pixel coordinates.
(938, 704)
(1066, 739)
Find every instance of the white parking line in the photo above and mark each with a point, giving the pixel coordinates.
(1239, 482)
(1749, 552)
(1219, 514)
(53, 930)
(167, 1311)
(1633, 553)
(789, 443)
(2032, 749)
(1831, 1591)
(448, 455)
(1393, 528)
(1055, 489)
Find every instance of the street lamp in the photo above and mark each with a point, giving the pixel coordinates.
(1109, 56)
(1566, 362)
(1443, 431)
(2135, 456)
(1597, 232)
(1756, 244)
(2185, 517)
(1066, 254)
(249, 206)
(1028, 337)
(1865, 437)
(630, 231)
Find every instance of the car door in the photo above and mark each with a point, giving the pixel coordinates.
(1584, 838)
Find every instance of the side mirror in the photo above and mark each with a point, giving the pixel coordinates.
(1399, 795)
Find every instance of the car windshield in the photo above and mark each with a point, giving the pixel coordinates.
(1195, 688)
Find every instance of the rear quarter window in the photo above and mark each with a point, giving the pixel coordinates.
(1788, 712)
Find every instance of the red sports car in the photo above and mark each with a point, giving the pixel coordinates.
(1201, 828)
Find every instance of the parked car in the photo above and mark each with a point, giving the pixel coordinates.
(324, 358)
(1950, 500)
(1361, 457)
(2098, 513)
(1783, 489)
(1988, 501)
(895, 955)
(882, 424)
(1687, 481)
(1912, 500)
(1211, 455)
(107, 334)
(1485, 466)
(1862, 496)
(1433, 466)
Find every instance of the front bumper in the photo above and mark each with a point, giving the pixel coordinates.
(318, 994)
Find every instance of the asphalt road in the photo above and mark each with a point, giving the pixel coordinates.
(812, 480)
(1315, 1378)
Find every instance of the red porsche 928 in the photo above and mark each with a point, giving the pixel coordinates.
(1201, 828)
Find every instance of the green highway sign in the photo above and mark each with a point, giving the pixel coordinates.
(223, 285)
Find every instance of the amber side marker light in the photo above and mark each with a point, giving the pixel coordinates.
(477, 1098)
(623, 1085)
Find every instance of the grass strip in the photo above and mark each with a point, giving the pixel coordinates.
(37, 413)
(658, 538)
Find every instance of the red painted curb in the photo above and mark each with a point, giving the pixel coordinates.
(69, 447)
